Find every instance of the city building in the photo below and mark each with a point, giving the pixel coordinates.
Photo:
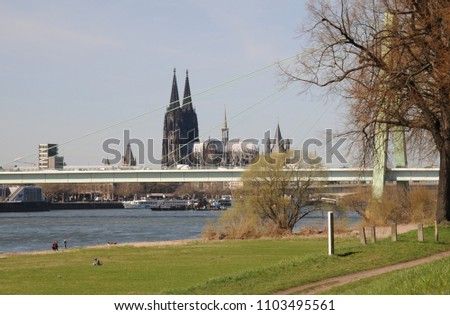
(4, 192)
(48, 157)
(26, 194)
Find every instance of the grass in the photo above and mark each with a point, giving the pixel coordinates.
(215, 267)
(430, 278)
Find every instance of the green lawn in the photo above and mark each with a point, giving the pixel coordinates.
(216, 267)
(430, 278)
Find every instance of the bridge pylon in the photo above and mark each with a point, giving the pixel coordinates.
(382, 137)
(380, 160)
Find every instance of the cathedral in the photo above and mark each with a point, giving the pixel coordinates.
(225, 152)
(181, 144)
(180, 131)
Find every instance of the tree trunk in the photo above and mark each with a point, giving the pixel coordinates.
(443, 200)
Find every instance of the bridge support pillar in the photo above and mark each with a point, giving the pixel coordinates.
(379, 164)
(380, 161)
(400, 160)
(381, 134)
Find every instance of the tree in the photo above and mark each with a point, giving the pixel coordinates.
(278, 191)
(390, 60)
(129, 190)
(56, 191)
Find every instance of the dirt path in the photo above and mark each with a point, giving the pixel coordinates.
(325, 284)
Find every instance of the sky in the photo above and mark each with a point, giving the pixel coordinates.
(78, 73)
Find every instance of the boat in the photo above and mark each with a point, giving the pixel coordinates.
(159, 204)
(173, 204)
(226, 201)
(142, 203)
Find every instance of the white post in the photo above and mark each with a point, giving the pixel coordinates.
(436, 231)
(330, 233)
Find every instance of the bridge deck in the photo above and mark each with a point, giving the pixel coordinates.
(202, 175)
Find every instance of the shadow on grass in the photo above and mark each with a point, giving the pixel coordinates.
(347, 254)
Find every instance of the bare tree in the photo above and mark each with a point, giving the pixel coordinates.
(390, 60)
(56, 191)
(277, 191)
(128, 190)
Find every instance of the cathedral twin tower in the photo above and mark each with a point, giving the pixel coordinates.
(180, 127)
(181, 144)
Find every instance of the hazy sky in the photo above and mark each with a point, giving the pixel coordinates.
(77, 72)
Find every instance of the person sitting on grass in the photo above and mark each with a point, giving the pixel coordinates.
(96, 262)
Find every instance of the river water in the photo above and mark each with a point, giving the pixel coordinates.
(32, 231)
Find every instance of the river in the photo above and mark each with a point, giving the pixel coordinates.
(33, 231)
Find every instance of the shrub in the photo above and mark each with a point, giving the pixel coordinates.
(357, 201)
(241, 222)
(422, 203)
(397, 205)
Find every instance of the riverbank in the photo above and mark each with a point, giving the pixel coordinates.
(105, 246)
(381, 232)
(82, 205)
(261, 266)
(35, 206)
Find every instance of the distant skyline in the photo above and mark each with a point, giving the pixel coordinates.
(70, 72)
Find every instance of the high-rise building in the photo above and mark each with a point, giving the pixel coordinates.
(180, 127)
(48, 157)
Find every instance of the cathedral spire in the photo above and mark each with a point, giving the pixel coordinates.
(225, 139)
(225, 131)
(187, 101)
(128, 157)
(225, 125)
(278, 145)
(174, 98)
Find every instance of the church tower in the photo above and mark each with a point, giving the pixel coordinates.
(278, 145)
(189, 127)
(225, 139)
(170, 153)
(180, 127)
(128, 158)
